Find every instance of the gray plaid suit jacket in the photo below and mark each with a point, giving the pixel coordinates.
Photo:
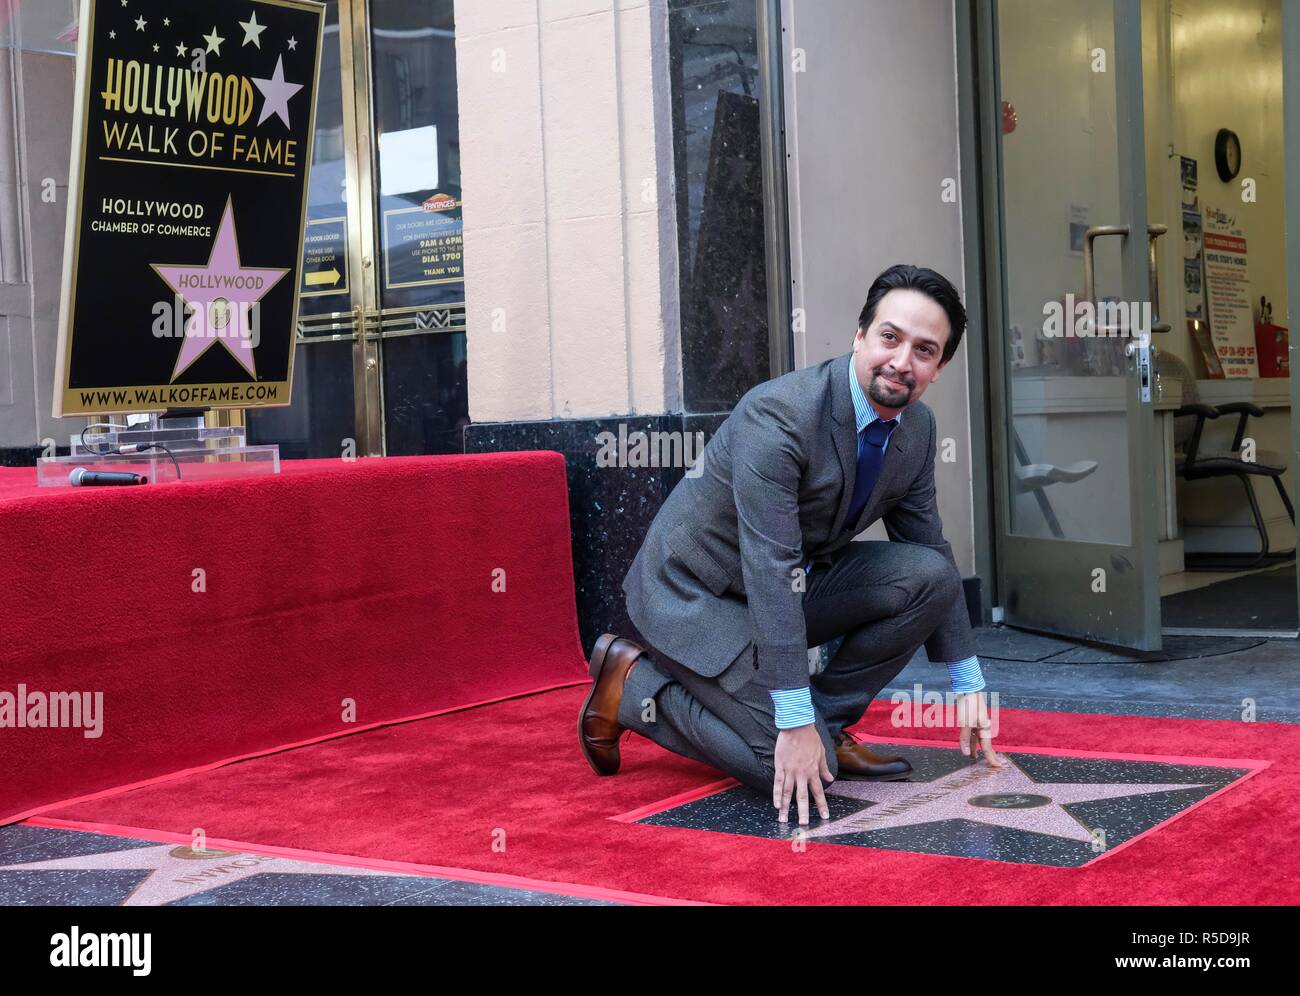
(715, 576)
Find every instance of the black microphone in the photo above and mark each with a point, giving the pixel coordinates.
(83, 478)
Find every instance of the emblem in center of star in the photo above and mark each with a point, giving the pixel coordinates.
(222, 294)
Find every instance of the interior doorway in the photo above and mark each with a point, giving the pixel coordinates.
(1137, 158)
(381, 364)
(1208, 102)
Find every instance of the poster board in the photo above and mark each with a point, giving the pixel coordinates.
(192, 141)
(1227, 290)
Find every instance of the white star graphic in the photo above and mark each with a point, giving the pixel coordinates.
(905, 804)
(112, 34)
(177, 871)
(123, 3)
(155, 46)
(214, 41)
(293, 44)
(276, 93)
(140, 22)
(252, 31)
(180, 49)
(167, 22)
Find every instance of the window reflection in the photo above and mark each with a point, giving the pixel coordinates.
(418, 141)
(721, 238)
(39, 25)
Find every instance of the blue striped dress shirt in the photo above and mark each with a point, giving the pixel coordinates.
(794, 705)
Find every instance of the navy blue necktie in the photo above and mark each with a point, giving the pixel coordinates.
(871, 458)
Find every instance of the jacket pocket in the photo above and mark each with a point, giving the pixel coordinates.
(697, 559)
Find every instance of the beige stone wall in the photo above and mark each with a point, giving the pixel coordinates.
(566, 159)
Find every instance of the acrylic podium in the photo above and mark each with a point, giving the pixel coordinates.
(162, 451)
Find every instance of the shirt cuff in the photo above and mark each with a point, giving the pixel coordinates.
(793, 707)
(966, 675)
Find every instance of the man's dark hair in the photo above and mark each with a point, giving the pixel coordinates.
(904, 276)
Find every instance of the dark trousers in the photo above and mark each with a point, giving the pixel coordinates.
(883, 598)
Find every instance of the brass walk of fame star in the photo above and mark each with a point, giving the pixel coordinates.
(177, 872)
(1003, 797)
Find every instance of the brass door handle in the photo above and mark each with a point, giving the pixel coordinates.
(1153, 279)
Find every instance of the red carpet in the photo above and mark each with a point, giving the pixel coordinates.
(369, 582)
(439, 791)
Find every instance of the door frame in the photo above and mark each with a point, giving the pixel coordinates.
(973, 22)
(359, 157)
(776, 205)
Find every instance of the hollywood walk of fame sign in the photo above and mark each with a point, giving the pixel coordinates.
(1049, 809)
(192, 142)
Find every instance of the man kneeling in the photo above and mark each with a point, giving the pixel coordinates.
(751, 562)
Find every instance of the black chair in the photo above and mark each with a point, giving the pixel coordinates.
(1198, 464)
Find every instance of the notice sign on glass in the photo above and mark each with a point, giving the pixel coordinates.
(424, 245)
(1227, 284)
(325, 258)
(192, 141)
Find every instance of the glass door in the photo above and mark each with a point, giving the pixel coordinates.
(418, 313)
(381, 367)
(1072, 315)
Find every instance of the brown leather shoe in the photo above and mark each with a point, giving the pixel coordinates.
(861, 764)
(598, 725)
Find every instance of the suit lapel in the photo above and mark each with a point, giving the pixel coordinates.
(844, 431)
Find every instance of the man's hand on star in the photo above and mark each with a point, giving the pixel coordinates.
(801, 766)
(975, 728)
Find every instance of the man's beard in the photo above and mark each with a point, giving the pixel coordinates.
(883, 394)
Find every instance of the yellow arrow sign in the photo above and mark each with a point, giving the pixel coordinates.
(325, 278)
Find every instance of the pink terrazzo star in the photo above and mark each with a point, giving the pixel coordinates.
(222, 293)
(177, 871)
(905, 804)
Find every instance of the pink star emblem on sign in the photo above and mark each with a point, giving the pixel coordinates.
(222, 293)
